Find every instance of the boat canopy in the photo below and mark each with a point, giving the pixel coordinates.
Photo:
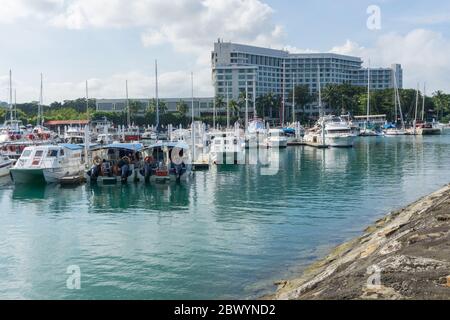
(135, 147)
(179, 144)
(73, 147)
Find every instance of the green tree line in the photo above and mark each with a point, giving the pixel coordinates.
(341, 99)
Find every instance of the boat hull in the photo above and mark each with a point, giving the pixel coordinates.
(5, 168)
(340, 141)
(28, 176)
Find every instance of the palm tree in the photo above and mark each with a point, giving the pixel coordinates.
(441, 102)
(234, 107)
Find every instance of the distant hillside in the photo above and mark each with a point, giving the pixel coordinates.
(3, 104)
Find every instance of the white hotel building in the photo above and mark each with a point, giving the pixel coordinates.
(236, 66)
(263, 70)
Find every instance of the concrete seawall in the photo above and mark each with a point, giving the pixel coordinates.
(405, 255)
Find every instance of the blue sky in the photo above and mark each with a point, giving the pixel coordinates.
(110, 41)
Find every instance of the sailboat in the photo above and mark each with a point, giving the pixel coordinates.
(394, 131)
(367, 131)
(424, 127)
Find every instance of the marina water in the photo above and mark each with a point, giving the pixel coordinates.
(229, 233)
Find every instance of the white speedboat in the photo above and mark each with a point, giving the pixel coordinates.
(276, 138)
(167, 162)
(5, 165)
(117, 162)
(48, 163)
(395, 132)
(227, 148)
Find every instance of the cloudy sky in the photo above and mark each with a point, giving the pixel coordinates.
(109, 41)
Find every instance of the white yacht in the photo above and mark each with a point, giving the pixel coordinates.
(5, 165)
(276, 138)
(48, 163)
(227, 148)
(331, 131)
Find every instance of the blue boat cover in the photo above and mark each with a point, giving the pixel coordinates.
(289, 130)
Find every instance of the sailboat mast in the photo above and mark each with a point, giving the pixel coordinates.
(417, 107)
(228, 108)
(15, 103)
(193, 117)
(41, 101)
(157, 95)
(368, 93)
(320, 92)
(128, 105)
(283, 93)
(10, 96)
(254, 96)
(293, 99)
(87, 100)
(246, 105)
(423, 101)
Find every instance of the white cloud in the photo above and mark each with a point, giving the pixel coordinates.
(424, 55)
(171, 85)
(188, 26)
(12, 10)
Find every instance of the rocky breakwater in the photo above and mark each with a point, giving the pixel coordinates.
(405, 255)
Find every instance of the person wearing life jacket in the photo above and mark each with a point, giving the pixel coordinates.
(96, 169)
(124, 165)
(147, 170)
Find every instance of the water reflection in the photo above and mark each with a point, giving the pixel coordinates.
(129, 197)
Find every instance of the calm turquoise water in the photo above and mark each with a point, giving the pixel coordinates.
(228, 234)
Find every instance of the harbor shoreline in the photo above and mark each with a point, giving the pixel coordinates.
(404, 255)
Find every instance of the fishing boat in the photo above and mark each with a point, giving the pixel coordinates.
(114, 163)
(48, 163)
(428, 129)
(276, 138)
(5, 165)
(167, 162)
(227, 148)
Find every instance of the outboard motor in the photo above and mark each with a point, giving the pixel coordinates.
(94, 173)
